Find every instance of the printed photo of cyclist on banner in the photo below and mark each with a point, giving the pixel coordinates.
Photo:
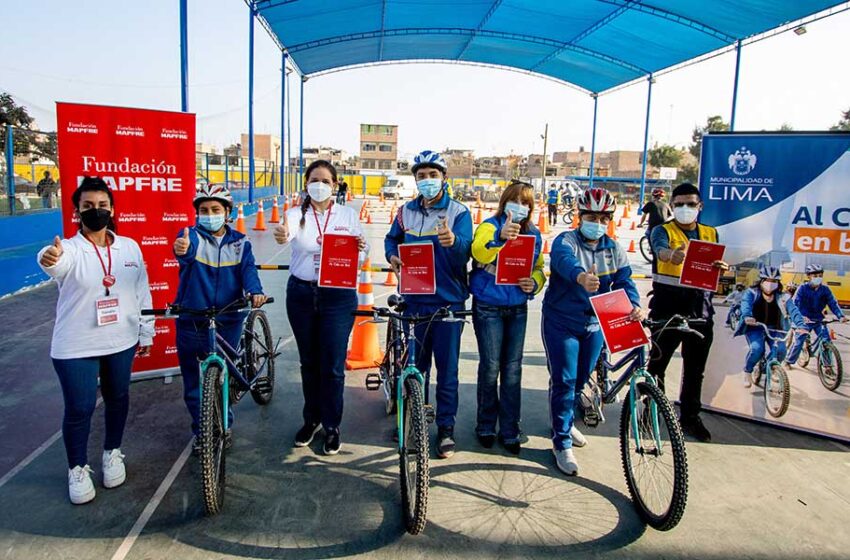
(782, 342)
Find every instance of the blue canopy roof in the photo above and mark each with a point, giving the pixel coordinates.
(593, 44)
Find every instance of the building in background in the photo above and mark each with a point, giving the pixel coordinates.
(379, 147)
(267, 147)
(460, 162)
(338, 158)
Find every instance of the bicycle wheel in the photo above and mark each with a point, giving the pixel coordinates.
(657, 477)
(830, 368)
(646, 249)
(777, 391)
(414, 458)
(259, 356)
(212, 456)
(387, 371)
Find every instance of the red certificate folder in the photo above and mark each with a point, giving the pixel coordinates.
(338, 267)
(698, 270)
(516, 260)
(620, 333)
(417, 271)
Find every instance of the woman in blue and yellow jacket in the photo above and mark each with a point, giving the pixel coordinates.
(500, 313)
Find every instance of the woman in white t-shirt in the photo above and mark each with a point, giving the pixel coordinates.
(321, 318)
(103, 286)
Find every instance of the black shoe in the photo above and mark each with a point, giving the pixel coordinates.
(487, 440)
(306, 433)
(332, 442)
(445, 442)
(694, 427)
(228, 439)
(513, 447)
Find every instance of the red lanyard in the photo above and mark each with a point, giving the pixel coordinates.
(320, 228)
(108, 279)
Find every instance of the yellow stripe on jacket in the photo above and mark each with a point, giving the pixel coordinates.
(484, 234)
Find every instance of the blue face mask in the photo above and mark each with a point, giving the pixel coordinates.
(211, 222)
(519, 212)
(593, 230)
(429, 188)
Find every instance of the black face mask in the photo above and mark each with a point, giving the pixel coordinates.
(95, 219)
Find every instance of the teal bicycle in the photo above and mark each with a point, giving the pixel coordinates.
(406, 394)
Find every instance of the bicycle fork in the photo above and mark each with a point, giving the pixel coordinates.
(642, 375)
(408, 372)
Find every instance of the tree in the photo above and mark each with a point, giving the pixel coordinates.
(844, 123)
(689, 173)
(25, 139)
(785, 127)
(712, 124)
(664, 156)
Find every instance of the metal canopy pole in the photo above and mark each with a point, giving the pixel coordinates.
(595, 97)
(184, 56)
(645, 145)
(301, 139)
(283, 57)
(735, 87)
(251, 103)
(289, 135)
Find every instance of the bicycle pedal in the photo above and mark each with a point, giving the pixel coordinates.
(373, 381)
(430, 413)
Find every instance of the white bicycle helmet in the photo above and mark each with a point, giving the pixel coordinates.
(814, 269)
(213, 192)
(596, 200)
(429, 159)
(767, 272)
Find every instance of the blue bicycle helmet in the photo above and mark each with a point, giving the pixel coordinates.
(428, 158)
(767, 272)
(814, 269)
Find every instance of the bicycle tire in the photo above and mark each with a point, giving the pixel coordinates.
(646, 249)
(830, 376)
(414, 493)
(672, 512)
(388, 371)
(567, 218)
(212, 455)
(260, 346)
(777, 391)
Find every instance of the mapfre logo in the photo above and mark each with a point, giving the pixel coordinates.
(175, 217)
(162, 329)
(170, 350)
(170, 263)
(174, 134)
(159, 286)
(137, 131)
(149, 240)
(742, 162)
(132, 217)
(81, 128)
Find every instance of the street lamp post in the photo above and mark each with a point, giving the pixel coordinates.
(545, 137)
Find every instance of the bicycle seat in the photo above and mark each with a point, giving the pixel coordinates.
(396, 302)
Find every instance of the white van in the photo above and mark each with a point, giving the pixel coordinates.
(399, 187)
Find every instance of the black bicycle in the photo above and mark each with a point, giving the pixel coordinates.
(406, 393)
(652, 446)
(227, 373)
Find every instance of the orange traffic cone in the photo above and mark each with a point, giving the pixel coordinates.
(543, 222)
(575, 221)
(634, 226)
(365, 351)
(393, 211)
(626, 211)
(285, 206)
(546, 249)
(391, 279)
(275, 219)
(478, 217)
(381, 197)
(348, 196)
(612, 231)
(632, 247)
(620, 223)
(260, 224)
(369, 218)
(240, 220)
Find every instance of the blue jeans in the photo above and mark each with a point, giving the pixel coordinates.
(78, 378)
(500, 332)
(446, 353)
(800, 339)
(757, 341)
(571, 357)
(192, 348)
(321, 321)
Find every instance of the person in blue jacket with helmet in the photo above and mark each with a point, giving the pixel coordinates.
(434, 217)
(216, 268)
(584, 262)
(812, 298)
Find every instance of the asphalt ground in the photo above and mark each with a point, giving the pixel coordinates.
(755, 492)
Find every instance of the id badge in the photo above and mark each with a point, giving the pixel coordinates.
(107, 310)
(317, 261)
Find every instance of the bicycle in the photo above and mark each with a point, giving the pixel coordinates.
(649, 430)
(777, 388)
(829, 364)
(227, 374)
(406, 394)
(646, 246)
(568, 212)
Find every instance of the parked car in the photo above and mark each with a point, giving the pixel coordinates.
(399, 187)
(22, 185)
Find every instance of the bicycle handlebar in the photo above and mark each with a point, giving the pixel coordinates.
(176, 310)
(767, 331)
(442, 314)
(676, 322)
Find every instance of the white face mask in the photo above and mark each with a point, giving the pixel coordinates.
(816, 281)
(685, 214)
(319, 191)
(769, 287)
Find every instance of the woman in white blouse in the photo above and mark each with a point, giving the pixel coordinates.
(103, 285)
(321, 318)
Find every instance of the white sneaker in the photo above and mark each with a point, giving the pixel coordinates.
(578, 438)
(748, 379)
(566, 461)
(114, 472)
(80, 486)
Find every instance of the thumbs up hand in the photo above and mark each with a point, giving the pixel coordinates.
(678, 254)
(181, 244)
(281, 232)
(510, 230)
(52, 255)
(444, 234)
(589, 280)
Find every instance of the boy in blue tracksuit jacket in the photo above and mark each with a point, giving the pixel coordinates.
(434, 217)
(216, 268)
(584, 262)
(811, 299)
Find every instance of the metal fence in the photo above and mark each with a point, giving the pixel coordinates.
(29, 174)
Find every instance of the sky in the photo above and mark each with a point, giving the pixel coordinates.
(92, 52)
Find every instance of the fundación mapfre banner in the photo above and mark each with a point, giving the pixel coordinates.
(148, 160)
(782, 199)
